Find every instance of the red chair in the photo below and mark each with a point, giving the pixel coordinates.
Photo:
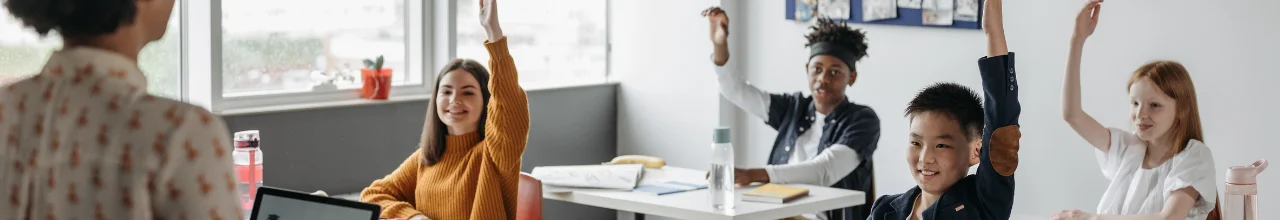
(529, 199)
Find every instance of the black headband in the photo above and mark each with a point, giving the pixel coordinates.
(824, 48)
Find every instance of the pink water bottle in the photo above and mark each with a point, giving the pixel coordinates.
(1241, 202)
(248, 160)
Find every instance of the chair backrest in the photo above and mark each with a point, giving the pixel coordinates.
(529, 199)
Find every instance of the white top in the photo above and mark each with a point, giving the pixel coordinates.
(1134, 190)
(85, 141)
(807, 143)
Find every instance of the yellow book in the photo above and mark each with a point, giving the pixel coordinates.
(774, 193)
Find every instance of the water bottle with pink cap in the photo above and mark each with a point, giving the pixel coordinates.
(1241, 201)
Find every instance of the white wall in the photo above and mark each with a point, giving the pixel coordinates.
(1229, 46)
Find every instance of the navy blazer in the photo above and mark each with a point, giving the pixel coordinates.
(850, 124)
(988, 194)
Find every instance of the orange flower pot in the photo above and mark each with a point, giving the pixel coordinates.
(376, 85)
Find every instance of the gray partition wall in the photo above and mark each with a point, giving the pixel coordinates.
(341, 150)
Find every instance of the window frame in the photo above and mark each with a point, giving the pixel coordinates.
(419, 35)
(431, 30)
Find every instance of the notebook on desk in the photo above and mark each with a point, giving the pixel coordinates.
(775, 193)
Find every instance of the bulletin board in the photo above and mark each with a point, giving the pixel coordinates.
(906, 16)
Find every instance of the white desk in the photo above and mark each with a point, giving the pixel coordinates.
(1017, 216)
(697, 204)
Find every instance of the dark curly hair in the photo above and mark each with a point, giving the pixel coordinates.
(839, 33)
(74, 18)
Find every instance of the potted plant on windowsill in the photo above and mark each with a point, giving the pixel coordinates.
(377, 80)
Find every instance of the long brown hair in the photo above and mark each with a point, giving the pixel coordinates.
(433, 130)
(1174, 80)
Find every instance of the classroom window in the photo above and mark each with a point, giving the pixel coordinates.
(23, 53)
(272, 47)
(554, 42)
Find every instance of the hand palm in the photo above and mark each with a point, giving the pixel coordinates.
(720, 23)
(1087, 20)
(488, 13)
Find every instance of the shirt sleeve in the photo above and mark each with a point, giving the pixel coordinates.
(747, 97)
(1001, 136)
(825, 169)
(1111, 160)
(197, 181)
(1194, 168)
(395, 192)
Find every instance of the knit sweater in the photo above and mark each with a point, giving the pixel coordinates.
(475, 178)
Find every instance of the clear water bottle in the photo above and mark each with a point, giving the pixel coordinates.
(1241, 201)
(722, 186)
(248, 160)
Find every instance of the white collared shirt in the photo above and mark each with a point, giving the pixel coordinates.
(83, 140)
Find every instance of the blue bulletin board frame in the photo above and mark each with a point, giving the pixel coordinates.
(906, 16)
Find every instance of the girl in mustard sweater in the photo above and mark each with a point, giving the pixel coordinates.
(468, 164)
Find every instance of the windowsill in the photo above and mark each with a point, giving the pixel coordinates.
(362, 102)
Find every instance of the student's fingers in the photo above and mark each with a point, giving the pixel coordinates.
(1089, 6)
(1097, 10)
(712, 11)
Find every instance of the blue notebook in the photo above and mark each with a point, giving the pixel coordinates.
(668, 188)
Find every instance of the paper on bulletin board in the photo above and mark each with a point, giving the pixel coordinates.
(912, 4)
(937, 12)
(966, 10)
(806, 10)
(834, 9)
(874, 10)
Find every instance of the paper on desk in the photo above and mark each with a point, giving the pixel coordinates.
(673, 174)
(938, 12)
(621, 176)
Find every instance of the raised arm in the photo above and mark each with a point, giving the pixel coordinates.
(507, 124)
(998, 158)
(732, 87)
(993, 26)
(1072, 112)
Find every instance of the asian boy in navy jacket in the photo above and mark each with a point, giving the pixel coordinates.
(944, 142)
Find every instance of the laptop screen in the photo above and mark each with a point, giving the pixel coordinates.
(273, 207)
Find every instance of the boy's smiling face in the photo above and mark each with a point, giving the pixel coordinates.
(939, 152)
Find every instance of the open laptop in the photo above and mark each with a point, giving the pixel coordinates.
(282, 204)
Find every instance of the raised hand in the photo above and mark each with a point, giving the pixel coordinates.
(1087, 20)
(993, 17)
(993, 25)
(489, 19)
(719, 23)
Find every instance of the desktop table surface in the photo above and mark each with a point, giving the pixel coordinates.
(697, 204)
